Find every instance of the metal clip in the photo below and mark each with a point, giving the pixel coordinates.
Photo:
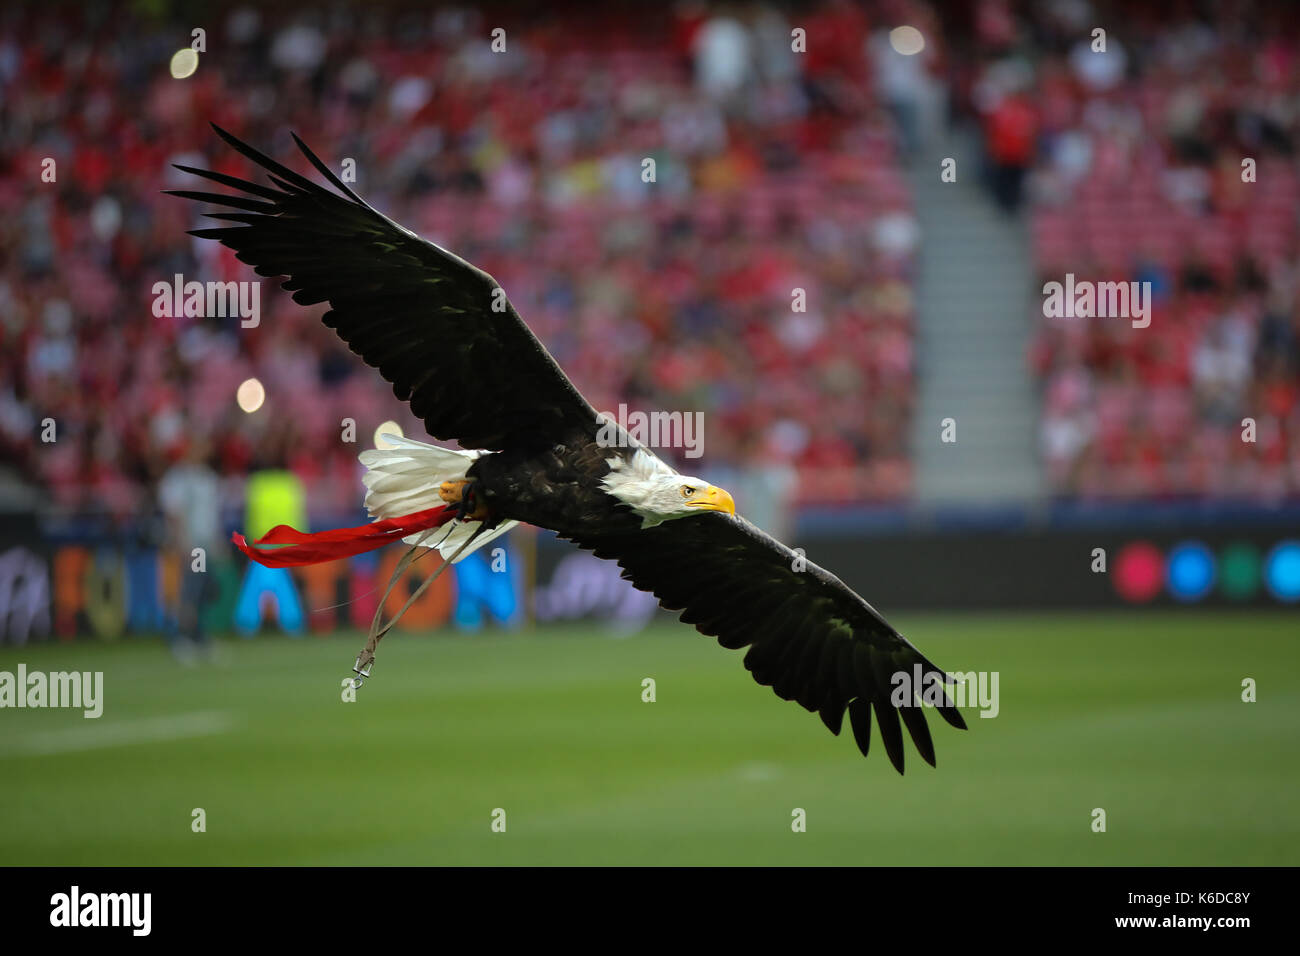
(363, 672)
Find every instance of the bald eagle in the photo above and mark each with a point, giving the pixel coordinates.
(444, 334)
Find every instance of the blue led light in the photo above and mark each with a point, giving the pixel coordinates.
(1282, 571)
(1189, 573)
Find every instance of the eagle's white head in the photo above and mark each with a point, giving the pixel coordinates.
(657, 493)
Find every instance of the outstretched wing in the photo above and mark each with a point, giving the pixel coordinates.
(810, 637)
(441, 330)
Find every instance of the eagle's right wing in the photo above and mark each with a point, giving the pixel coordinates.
(810, 636)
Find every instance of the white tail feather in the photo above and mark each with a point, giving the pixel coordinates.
(406, 478)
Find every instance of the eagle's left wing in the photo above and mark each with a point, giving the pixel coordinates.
(810, 637)
(440, 329)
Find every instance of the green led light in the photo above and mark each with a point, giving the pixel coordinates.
(1239, 571)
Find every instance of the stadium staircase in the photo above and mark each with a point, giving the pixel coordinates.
(973, 327)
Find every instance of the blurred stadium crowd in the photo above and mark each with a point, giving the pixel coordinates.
(1138, 175)
(774, 171)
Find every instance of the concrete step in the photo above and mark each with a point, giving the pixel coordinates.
(973, 325)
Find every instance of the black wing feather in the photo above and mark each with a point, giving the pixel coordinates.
(824, 646)
(421, 315)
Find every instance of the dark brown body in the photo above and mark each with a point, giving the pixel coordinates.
(554, 486)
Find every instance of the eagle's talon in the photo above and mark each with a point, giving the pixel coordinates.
(460, 493)
(451, 491)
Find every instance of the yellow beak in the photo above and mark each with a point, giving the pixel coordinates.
(713, 498)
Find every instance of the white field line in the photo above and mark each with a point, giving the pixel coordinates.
(120, 734)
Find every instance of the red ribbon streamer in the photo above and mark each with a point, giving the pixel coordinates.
(304, 548)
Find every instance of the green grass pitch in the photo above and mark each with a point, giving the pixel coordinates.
(1138, 714)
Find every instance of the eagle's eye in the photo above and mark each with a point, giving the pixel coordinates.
(687, 491)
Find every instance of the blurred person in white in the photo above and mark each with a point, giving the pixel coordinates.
(190, 497)
(1222, 367)
(902, 72)
(723, 57)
